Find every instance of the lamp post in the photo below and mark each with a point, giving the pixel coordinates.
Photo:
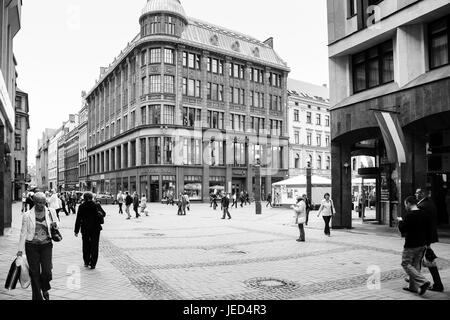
(309, 181)
(258, 208)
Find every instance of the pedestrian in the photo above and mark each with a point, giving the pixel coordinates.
(89, 221)
(269, 200)
(188, 202)
(24, 202)
(214, 201)
(416, 228)
(36, 242)
(63, 204)
(185, 203)
(128, 203)
(247, 198)
(55, 202)
(72, 202)
(143, 205)
(136, 204)
(30, 201)
(427, 205)
(170, 199)
(225, 204)
(120, 201)
(327, 211)
(242, 198)
(308, 208)
(180, 205)
(300, 217)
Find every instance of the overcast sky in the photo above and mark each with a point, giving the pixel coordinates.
(63, 43)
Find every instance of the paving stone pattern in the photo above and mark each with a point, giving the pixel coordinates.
(202, 257)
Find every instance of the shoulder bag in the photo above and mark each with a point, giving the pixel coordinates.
(55, 234)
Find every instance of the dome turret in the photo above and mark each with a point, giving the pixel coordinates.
(163, 17)
(164, 6)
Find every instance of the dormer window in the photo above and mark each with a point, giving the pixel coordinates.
(236, 46)
(214, 40)
(256, 52)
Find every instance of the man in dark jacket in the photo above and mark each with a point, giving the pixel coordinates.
(89, 221)
(426, 204)
(416, 228)
(128, 203)
(225, 204)
(136, 204)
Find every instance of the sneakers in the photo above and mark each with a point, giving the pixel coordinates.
(424, 288)
(436, 289)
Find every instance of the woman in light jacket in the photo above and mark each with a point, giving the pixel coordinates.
(36, 242)
(300, 217)
(143, 204)
(327, 211)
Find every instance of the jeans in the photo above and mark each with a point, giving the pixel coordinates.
(302, 231)
(226, 212)
(136, 208)
(327, 224)
(39, 258)
(120, 208)
(90, 247)
(411, 263)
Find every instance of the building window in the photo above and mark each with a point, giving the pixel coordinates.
(327, 141)
(439, 40)
(328, 164)
(297, 161)
(258, 124)
(155, 25)
(192, 117)
(319, 162)
(168, 115)
(132, 119)
(169, 84)
(170, 25)
(18, 144)
(239, 154)
(216, 120)
(275, 80)
(215, 66)
(352, 8)
(125, 123)
(168, 148)
(118, 127)
(155, 55)
(318, 119)
(373, 67)
(296, 115)
(309, 139)
(237, 95)
(155, 114)
(155, 84)
(169, 55)
(327, 121)
(144, 87)
(192, 88)
(297, 137)
(193, 187)
(257, 75)
(144, 115)
(191, 60)
(216, 152)
(144, 58)
(237, 122)
(319, 140)
(275, 127)
(192, 153)
(308, 118)
(237, 71)
(154, 146)
(214, 91)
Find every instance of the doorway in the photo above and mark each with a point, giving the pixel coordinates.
(237, 186)
(154, 189)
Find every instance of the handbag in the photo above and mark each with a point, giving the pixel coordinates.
(13, 275)
(429, 259)
(24, 279)
(55, 234)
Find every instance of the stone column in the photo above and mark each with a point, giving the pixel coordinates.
(138, 153)
(147, 151)
(341, 185)
(129, 164)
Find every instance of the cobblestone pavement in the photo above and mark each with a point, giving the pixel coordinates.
(199, 256)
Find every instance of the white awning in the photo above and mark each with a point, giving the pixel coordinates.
(301, 181)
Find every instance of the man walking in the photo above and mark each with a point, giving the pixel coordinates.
(120, 201)
(426, 204)
(136, 204)
(235, 203)
(269, 200)
(416, 228)
(225, 204)
(128, 203)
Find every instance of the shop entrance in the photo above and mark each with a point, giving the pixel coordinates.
(238, 185)
(154, 189)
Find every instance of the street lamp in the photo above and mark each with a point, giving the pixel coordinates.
(258, 208)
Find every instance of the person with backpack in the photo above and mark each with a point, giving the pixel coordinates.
(89, 219)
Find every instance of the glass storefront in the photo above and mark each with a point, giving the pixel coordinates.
(193, 187)
(143, 186)
(133, 184)
(216, 185)
(169, 186)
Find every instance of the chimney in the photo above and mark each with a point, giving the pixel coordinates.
(269, 42)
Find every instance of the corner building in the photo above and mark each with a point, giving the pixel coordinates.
(188, 106)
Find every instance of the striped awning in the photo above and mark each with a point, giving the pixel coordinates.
(393, 137)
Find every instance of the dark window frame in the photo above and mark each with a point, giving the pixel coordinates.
(432, 34)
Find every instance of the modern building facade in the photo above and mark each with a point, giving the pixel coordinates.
(390, 58)
(309, 129)
(10, 12)
(22, 125)
(82, 145)
(188, 106)
(71, 161)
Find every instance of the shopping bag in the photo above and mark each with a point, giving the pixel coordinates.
(13, 276)
(24, 279)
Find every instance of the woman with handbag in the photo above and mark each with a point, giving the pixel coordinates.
(327, 211)
(300, 217)
(39, 228)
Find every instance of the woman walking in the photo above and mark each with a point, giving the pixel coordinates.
(300, 217)
(143, 205)
(36, 242)
(89, 221)
(327, 211)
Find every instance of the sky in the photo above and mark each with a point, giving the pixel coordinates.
(63, 43)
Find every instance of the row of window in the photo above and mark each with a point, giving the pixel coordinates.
(309, 159)
(160, 150)
(375, 66)
(158, 84)
(157, 55)
(309, 118)
(158, 25)
(309, 139)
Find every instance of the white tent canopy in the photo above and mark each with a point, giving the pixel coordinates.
(301, 180)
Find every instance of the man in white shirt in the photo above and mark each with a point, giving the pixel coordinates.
(55, 203)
